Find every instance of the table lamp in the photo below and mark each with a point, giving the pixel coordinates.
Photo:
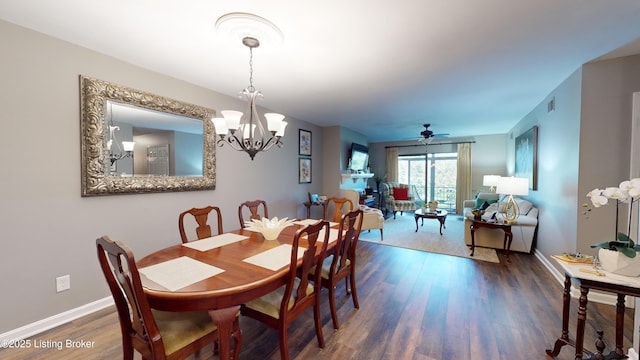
(512, 186)
(491, 181)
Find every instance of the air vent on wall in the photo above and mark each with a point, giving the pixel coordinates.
(551, 105)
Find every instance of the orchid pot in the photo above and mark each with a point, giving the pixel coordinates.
(618, 263)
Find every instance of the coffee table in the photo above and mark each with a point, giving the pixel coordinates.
(440, 215)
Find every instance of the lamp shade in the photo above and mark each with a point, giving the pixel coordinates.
(490, 180)
(513, 186)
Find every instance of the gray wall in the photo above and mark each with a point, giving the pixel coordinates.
(583, 144)
(47, 229)
(605, 138)
(558, 160)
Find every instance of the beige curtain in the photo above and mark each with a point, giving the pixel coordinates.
(463, 182)
(392, 164)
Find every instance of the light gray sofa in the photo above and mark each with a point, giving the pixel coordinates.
(524, 230)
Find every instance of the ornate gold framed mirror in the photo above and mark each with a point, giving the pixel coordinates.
(137, 142)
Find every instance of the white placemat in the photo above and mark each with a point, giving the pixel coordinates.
(180, 272)
(215, 241)
(313, 221)
(307, 221)
(274, 259)
(333, 235)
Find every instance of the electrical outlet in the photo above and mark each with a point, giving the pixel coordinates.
(63, 283)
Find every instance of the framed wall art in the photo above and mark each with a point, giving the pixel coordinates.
(527, 156)
(304, 142)
(304, 171)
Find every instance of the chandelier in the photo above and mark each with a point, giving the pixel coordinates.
(245, 132)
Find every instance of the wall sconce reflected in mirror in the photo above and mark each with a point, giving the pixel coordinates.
(124, 151)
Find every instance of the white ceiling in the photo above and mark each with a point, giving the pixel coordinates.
(380, 67)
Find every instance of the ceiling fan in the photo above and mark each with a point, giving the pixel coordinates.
(428, 135)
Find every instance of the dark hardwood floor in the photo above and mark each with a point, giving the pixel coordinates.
(413, 305)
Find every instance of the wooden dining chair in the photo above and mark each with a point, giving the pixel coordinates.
(338, 207)
(281, 307)
(201, 215)
(254, 207)
(155, 334)
(342, 263)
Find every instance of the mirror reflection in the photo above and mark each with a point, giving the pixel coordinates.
(145, 142)
(139, 142)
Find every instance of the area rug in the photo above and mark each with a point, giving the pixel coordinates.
(401, 232)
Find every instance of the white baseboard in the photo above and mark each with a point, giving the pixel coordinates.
(633, 355)
(596, 296)
(55, 320)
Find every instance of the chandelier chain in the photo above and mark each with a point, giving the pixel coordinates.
(251, 69)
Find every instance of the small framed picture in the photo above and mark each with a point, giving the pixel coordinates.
(304, 142)
(304, 171)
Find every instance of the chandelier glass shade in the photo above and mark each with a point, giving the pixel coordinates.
(246, 132)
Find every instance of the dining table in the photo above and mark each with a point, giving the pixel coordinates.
(219, 273)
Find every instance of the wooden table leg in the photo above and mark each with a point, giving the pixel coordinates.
(225, 319)
(619, 326)
(582, 319)
(441, 220)
(416, 217)
(508, 238)
(566, 305)
(473, 239)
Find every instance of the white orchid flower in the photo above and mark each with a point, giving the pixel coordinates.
(615, 193)
(599, 200)
(594, 192)
(633, 188)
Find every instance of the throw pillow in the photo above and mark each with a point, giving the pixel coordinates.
(484, 203)
(401, 193)
(496, 206)
(523, 205)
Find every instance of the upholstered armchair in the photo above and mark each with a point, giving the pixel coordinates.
(397, 198)
(371, 218)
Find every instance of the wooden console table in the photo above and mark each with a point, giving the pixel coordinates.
(506, 228)
(617, 284)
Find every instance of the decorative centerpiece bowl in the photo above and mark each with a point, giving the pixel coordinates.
(477, 213)
(270, 229)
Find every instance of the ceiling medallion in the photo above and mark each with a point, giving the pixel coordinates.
(238, 26)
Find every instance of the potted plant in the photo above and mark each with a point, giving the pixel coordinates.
(618, 255)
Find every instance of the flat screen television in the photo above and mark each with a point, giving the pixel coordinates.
(359, 158)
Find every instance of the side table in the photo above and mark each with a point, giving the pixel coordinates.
(620, 285)
(309, 204)
(506, 228)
